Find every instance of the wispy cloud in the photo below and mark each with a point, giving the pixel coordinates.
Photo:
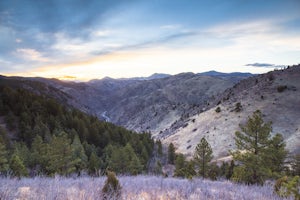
(31, 55)
(266, 65)
(102, 33)
(170, 26)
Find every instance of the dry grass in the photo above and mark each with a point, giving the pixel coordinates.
(137, 187)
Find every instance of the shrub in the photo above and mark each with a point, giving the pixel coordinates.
(112, 187)
(281, 88)
(218, 109)
(238, 107)
(286, 187)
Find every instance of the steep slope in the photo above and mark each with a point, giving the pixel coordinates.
(155, 104)
(276, 94)
(142, 104)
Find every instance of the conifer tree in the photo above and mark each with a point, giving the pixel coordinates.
(275, 155)
(60, 155)
(3, 158)
(180, 166)
(202, 157)
(296, 165)
(118, 161)
(171, 154)
(256, 151)
(39, 156)
(159, 148)
(79, 156)
(17, 166)
(134, 165)
(94, 164)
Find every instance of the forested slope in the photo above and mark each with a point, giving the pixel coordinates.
(41, 136)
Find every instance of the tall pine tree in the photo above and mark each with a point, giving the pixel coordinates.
(61, 155)
(256, 151)
(171, 154)
(202, 156)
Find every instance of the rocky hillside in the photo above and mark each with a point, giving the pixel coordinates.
(150, 104)
(276, 94)
(142, 104)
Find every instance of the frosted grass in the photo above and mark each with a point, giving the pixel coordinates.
(133, 187)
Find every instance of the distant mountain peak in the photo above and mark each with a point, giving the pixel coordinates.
(157, 76)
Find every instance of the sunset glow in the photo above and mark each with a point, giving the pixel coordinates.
(94, 39)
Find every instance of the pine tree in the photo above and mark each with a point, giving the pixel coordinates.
(39, 158)
(256, 150)
(118, 161)
(17, 166)
(202, 157)
(275, 155)
(180, 165)
(60, 153)
(94, 164)
(296, 165)
(134, 165)
(171, 154)
(79, 156)
(229, 170)
(3, 159)
(159, 148)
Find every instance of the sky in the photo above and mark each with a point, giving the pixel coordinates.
(89, 39)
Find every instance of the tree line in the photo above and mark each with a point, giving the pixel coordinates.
(41, 136)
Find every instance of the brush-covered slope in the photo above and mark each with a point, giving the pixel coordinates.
(145, 104)
(276, 94)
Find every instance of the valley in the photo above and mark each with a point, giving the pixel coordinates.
(181, 108)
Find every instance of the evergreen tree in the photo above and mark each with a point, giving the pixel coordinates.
(184, 168)
(213, 171)
(296, 165)
(171, 154)
(133, 166)
(180, 165)
(256, 151)
(3, 158)
(118, 161)
(23, 153)
(275, 155)
(158, 168)
(229, 171)
(39, 158)
(60, 155)
(159, 148)
(94, 164)
(202, 157)
(17, 166)
(79, 156)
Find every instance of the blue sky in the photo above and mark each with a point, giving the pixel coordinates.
(86, 39)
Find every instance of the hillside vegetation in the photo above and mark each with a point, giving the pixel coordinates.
(276, 94)
(41, 136)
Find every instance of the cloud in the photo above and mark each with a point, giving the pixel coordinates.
(170, 26)
(31, 55)
(102, 33)
(266, 65)
(67, 77)
(146, 43)
(261, 65)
